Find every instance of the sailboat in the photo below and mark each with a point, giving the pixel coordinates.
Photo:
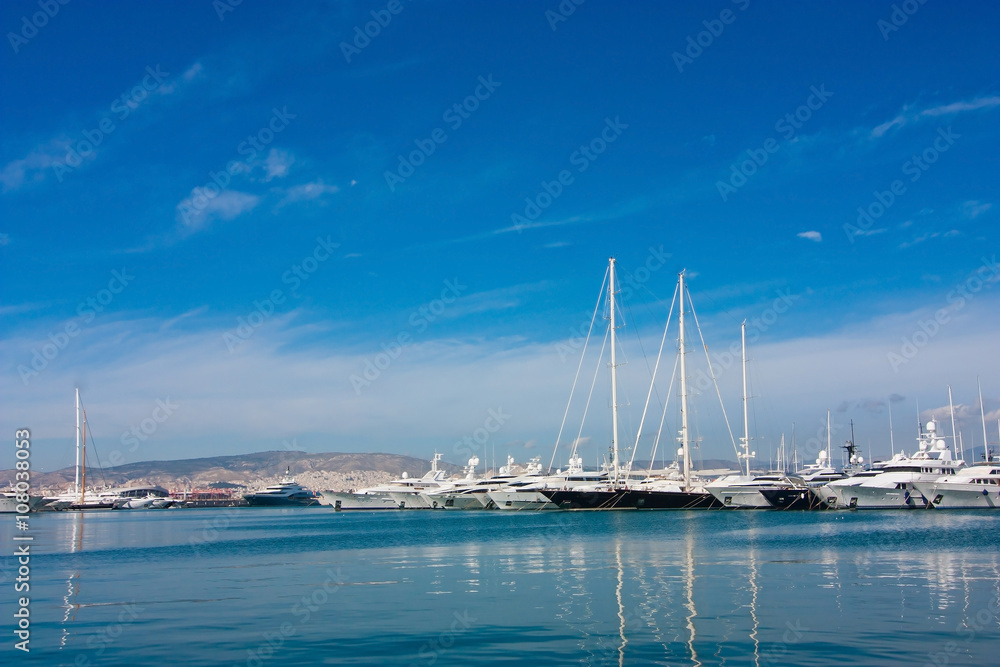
(79, 498)
(745, 490)
(618, 492)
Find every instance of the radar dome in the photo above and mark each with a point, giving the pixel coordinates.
(932, 426)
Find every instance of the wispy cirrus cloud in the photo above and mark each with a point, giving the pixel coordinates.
(200, 208)
(909, 114)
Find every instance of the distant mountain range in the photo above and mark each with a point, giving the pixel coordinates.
(238, 469)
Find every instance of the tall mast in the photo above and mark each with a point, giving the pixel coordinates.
(76, 482)
(951, 406)
(83, 477)
(829, 455)
(746, 416)
(982, 413)
(684, 408)
(614, 378)
(892, 445)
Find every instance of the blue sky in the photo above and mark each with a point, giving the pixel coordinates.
(455, 184)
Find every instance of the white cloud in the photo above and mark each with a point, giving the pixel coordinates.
(291, 378)
(811, 235)
(277, 163)
(973, 209)
(307, 191)
(907, 116)
(34, 165)
(200, 207)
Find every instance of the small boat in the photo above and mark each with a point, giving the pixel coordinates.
(288, 492)
(141, 498)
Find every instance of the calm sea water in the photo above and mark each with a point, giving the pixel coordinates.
(311, 586)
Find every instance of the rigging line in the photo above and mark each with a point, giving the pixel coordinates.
(93, 444)
(652, 382)
(593, 318)
(711, 372)
(586, 408)
(670, 391)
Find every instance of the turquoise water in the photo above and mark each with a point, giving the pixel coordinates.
(311, 586)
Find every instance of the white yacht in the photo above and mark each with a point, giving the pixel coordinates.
(744, 491)
(140, 497)
(975, 486)
(9, 503)
(526, 492)
(893, 484)
(473, 493)
(286, 492)
(380, 497)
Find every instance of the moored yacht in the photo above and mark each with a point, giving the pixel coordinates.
(380, 497)
(971, 487)
(287, 492)
(893, 484)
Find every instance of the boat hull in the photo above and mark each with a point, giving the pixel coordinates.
(876, 497)
(960, 496)
(276, 501)
(343, 501)
(521, 500)
(739, 498)
(627, 499)
(794, 499)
